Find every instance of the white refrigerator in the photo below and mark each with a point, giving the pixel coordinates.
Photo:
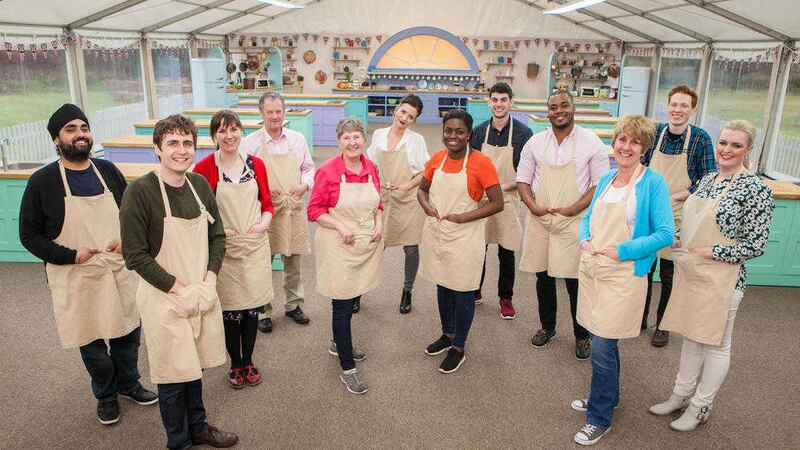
(633, 88)
(208, 82)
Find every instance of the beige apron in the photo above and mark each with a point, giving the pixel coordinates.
(551, 241)
(288, 232)
(610, 298)
(504, 228)
(96, 299)
(702, 289)
(347, 271)
(183, 331)
(245, 278)
(674, 169)
(403, 216)
(452, 253)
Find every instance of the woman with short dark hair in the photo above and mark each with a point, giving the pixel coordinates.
(401, 154)
(244, 284)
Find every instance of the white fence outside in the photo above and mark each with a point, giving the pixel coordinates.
(31, 141)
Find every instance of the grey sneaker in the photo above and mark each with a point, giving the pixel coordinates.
(542, 337)
(590, 434)
(358, 355)
(352, 380)
(582, 404)
(583, 348)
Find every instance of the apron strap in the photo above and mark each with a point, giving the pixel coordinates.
(202, 207)
(194, 192)
(464, 164)
(64, 179)
(510, 130)
(219, 166)
(164, 198)
(630, 184)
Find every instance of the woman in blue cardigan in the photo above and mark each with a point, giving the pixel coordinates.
(628, 221)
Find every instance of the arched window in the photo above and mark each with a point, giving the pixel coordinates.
(423, 50)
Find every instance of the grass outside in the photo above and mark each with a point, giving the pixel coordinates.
(749, 105)
(38, 105)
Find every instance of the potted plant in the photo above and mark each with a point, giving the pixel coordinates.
(300, 79)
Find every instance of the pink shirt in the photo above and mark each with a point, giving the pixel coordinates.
(325, 194)
(260, 141)
(591, 157)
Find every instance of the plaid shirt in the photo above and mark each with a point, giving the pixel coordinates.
(699, 155)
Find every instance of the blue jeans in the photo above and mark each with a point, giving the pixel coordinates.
(182, 412)
(604, 393)
(115, 369)
(456, 310)
(342, 312)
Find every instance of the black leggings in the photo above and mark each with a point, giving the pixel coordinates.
(240, 339)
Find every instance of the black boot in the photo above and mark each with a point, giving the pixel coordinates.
(356, 305)
(405, 302)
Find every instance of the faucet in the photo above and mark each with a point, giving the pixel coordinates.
(3, 145)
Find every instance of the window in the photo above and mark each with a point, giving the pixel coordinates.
(173, 79)
(113, 78)
(785, 157)
(738, 90)
(674, 72)
(31, 89)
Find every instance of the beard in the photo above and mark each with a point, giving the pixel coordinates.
(566, 124)
(72, 153)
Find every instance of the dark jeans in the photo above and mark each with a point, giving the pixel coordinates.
(342, 312)
(665, 272)
(182, 412)
(604, 393)
(548, 306)
(505, 279)
(456, 310)
(113, 368)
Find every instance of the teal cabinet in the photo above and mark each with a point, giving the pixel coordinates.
(479, 110)
(780, 263)
(11, 250)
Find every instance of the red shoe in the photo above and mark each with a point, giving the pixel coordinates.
(251, 375)
(507, 310)
(478, 297)
(235, 378)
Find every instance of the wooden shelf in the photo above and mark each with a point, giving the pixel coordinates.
(508, 77)
(495, 50)
(346, 60)
(351, 48)
(586, 53)
(499, 64)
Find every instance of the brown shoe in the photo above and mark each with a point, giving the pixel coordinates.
(215, 438)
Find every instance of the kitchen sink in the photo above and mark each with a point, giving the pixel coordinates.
(24, 165)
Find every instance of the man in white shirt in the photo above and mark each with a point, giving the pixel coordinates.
(556, 177)
(290, 170)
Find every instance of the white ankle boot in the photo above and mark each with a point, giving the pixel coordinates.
(673, 403)
(691, 418)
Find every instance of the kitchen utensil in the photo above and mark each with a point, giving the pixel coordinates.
(309, 57)
(533, 70)
(613, 71)
(252, 64)
(243, 66)
(230, 68)
(576, 71)
(422, 84)
(320, 77)
(335, 55)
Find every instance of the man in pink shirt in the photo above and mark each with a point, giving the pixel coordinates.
(290, 170)
(556, 177)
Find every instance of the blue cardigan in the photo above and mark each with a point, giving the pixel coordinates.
(654, 227)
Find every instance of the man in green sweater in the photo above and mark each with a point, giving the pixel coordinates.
(173, 237)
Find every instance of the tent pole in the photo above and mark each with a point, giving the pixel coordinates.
(655, 73)
(148, 78)
(764, 152)
(703, 83)
(76, 72)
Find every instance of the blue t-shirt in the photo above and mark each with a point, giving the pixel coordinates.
(83, 183)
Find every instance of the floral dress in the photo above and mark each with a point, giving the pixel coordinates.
(744, 215)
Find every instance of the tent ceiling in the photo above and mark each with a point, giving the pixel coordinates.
(628, 20)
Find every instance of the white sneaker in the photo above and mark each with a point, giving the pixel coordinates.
(590, 434)
(673, 403)
(691, 418)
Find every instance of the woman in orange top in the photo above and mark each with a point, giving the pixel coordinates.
(453, 240)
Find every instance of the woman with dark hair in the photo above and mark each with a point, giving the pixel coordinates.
(244, 284)
(453, 238)
(400, 154)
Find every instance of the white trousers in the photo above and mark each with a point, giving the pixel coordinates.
(713, 361)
